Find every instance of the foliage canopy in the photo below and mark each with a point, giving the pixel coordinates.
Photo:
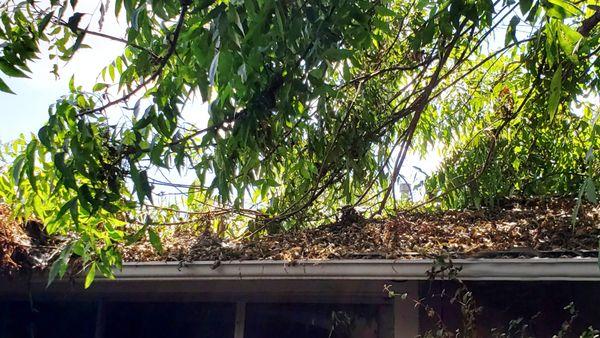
(312, 105)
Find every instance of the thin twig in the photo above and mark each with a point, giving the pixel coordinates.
(109, 37)
(417, 108)
(154, 76)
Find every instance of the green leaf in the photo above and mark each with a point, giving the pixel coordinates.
(568, 6)
(79, 249)
(11, 70)
(17, 167)
(336, 54)
(111, 71)
(44, 22)
(525, 5)
(511, 31)
(66, 172)
(140, 182)
(568, 40)
(54, 271)
(66, 207)
(72, 87)
(87, 200)
(30, 164)
(44, 136)
(89, 278)
(115, 235)
(73, 21)
(555, 92)
(590, 191)
(59, 267)
(146, 119)
(135, 18)
(154, 240)
(147, 188)
(118, 6)
(99, 86)
(4, 87)
(74, 211)
(533, 13)
(137, 236)
(384, 11)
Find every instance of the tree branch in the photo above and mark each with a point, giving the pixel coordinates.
(155, 75)
(109, 37)
(588, 24)
(417, 108)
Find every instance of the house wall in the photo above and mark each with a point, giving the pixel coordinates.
(215, 309)
(277, 308)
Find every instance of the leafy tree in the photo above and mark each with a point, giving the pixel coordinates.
(312, 105)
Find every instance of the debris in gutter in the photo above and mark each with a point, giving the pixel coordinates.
(518, 229)
(25, 246)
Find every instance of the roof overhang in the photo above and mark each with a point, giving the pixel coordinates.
(334, 281)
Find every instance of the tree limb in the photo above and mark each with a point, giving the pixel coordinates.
(588, 24)
(155, 75)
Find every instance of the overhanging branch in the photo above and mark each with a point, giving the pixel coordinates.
(155, 75)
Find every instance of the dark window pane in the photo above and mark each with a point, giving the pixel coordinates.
(317, 321)
(185, 320)
(47, 319)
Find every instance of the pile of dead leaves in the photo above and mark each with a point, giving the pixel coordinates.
(24, 246)
(14, 243)
(533, 227)
(519, 228)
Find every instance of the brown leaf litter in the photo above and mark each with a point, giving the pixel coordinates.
(520, 228)
(14, 243)
(24, 245)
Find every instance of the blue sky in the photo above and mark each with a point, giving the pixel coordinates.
(27, 111)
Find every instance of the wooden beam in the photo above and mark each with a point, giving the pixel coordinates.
(406, 315)
(240, 319)
(385, 321)
(100, 315)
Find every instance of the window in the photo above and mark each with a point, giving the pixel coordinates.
(132, 319)
(318, 321)
(55, 319)
(159, 320)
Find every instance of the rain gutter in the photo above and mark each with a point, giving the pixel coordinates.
(530, 269)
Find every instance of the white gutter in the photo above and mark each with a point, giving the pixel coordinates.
(533, 269)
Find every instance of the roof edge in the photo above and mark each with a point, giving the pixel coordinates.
(532, 269)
